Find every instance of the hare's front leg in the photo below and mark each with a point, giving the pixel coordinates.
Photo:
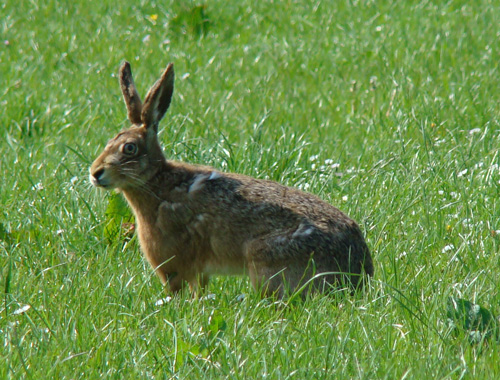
(174, 218)
(182, 228)
(179, 221)
(175, 247)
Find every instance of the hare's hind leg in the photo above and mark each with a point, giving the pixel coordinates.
(199, 283)
(278, 265)
(268, 279)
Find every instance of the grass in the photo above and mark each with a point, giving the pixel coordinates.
(388, 110)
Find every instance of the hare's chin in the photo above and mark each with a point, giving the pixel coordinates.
(100, 184)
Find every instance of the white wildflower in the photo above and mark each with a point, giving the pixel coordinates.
(163, 301)
(448, 248)
(21, 310)
(402, 255)
(304, 186)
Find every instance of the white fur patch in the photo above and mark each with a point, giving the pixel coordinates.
(198, 183)
(214, 175)
(309, 231)
(280, 239)
(303, 230)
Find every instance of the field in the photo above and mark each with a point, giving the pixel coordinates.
(388, 110)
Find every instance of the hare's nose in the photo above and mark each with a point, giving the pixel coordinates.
(97, 174)
(96, 177)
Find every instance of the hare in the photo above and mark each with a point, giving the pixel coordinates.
(194, 221)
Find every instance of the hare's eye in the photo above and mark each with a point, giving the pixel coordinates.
(129, 149)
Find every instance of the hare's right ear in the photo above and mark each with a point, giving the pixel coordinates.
(158, 99)
(130, 95)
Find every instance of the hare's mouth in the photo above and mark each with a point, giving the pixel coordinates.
(95, 182)
(99, 179)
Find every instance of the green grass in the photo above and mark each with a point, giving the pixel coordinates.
(403, 96)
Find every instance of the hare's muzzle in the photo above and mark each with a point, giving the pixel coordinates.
(97, 177)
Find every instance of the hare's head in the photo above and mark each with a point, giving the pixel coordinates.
(134, 156)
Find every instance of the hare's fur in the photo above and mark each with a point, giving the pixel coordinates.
(194, 221)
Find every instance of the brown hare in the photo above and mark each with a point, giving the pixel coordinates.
(194, 221)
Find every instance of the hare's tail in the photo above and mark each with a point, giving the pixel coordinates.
(367, 262)
(364, 265)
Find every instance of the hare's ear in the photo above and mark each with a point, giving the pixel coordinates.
(130, 95)
(158, 99)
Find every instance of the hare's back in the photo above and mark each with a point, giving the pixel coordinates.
(270, 200)
(243, 202)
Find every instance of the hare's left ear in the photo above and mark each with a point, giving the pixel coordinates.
(130, 95)
(158, 99)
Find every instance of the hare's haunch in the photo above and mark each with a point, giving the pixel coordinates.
(194, 221)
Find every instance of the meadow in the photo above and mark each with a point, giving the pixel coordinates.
(388, 110)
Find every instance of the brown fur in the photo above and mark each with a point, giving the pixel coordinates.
(194, 221)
